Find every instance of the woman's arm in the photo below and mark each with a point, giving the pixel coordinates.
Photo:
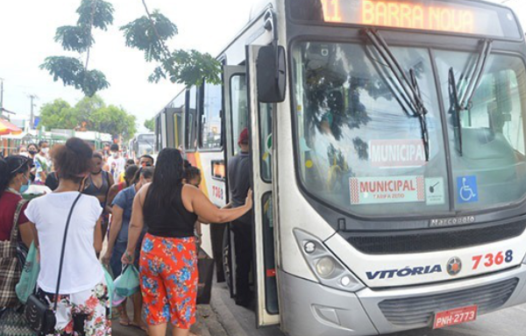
(111, 183)
(26, 233)
(114, 190)
(115, 228)
(136, 225)
(97, 241)
(199, 204)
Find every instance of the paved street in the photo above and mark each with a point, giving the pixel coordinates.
(240, 321)
(224, 318)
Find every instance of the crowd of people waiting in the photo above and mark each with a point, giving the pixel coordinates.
(148, 211)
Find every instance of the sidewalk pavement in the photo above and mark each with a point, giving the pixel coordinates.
(207, 324)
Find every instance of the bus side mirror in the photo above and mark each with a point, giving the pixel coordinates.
(271, 74)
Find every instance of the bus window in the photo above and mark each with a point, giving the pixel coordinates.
(490, 168)
(238, 92)
(191, 121)
(178, 129)
(211, 117)
(265, 120)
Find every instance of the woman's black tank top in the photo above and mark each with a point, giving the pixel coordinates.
(92, 190)
(171, 222)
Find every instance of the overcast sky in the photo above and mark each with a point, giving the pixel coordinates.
(27, 28)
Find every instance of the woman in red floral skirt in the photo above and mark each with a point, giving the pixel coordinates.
(168, 260)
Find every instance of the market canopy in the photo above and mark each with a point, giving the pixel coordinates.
(7, 128)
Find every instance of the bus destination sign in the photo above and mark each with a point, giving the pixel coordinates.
(423, 15)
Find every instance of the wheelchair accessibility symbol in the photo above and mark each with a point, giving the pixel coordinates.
(467, 189)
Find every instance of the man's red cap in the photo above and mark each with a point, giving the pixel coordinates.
(243, 137)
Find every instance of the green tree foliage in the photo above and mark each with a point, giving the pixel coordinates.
(74, 38)
(142, 34)
(114, 120)
(58, 114)
(73, 73)
(150, 124)
(79, 38)
(95, 13)
(96, 115)
(148, 33)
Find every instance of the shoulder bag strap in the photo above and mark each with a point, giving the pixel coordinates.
(14, 230)
(63, 250)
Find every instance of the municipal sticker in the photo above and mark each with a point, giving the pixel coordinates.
(467, 191)
(393, 189)
(435, 191)
(397, 153)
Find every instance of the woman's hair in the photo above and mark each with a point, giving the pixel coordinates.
(34, 145)
(97, 155)
(145, 172)
(10, 167)
(40, 143)
(72, 160)
(191, 173)
(129, 174)
(167, 176)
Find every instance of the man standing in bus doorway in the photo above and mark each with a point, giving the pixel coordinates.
(239, 184)
(116, 162)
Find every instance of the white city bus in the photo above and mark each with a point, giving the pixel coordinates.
(141, 144)
(388, 160)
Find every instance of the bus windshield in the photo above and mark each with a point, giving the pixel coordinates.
(359, 148)
(487, 148)
(146, 144)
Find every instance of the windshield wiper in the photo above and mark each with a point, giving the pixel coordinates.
(465, 101)
(455, 109)
(411, 92)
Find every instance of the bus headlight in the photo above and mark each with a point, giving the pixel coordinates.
(325, 267)
(324, 264)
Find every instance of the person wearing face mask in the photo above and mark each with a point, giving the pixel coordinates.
(42, 163)
(33, 150)
(84, 297)
(14, 175)
(22, 151)
(116, 163)
(14, 228)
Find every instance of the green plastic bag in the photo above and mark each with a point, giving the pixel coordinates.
(111, 287)
(128, 283)
(28, 279)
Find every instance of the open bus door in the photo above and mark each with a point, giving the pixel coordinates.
(260, 116)
(242, 110)
(236, 118)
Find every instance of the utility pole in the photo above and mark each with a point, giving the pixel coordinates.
(32, 115)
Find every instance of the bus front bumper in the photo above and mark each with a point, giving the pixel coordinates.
(309, 308)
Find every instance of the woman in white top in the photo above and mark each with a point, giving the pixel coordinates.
(84, 300)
